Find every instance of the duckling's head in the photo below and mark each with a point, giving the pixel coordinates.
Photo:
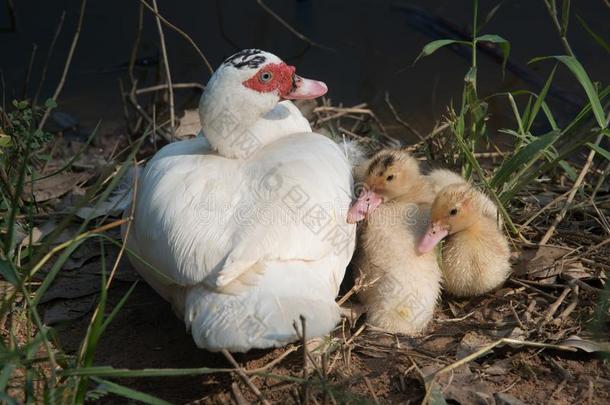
(454, 210)
(389, 174)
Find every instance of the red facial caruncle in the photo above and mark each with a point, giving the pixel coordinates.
(273, 77)
(280, 78)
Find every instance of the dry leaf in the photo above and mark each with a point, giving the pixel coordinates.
(189, 124)
(68, 310)
(540, 262)
(53, 187)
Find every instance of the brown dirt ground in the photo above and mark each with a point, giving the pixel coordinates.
(146, 334)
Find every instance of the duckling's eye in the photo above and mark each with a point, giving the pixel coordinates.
(266, 76)
(453, 212)
(390, 177)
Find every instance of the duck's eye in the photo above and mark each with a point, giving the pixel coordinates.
(390, 177)
(266, 76)
(453, 212)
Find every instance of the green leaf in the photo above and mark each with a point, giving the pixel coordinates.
(600, 41)
(539, 100)
(524, 158)
(565, 17)
(5, 376)
(7, 272)
(581, 75)
(433, 46)
(503, 43)
(490, 15)
(5, 140)
(604, 152)
(50, 103)
(114, 388)
(570, 172)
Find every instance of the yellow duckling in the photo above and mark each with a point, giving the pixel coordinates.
(475, 253)
(403, 286)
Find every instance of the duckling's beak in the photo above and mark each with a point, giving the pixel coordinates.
(366, 203)
(434, 234)
(305, 88)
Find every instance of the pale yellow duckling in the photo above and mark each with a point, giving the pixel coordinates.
(475, 252)
(402, 286)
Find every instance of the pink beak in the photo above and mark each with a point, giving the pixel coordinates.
(306, 88)
(434, 234)
(366, 203)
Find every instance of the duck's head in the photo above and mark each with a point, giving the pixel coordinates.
(453, 210)
(246, 86)
(389, 174)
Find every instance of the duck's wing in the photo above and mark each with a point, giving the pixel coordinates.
(203, 218)
(183, 218)
(300, 189)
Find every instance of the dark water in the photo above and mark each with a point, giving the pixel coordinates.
(373, 45)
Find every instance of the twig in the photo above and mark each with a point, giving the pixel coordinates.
(369, 386)
(237, 395)
(273, 362)
(43, 74)
(554, 307)
(140, 110)
(181, 33)
(573, 191)
(240, 372)
(165, 86)
(431, 135)
(289, 27)
(572, 305)
(28, 74)
(490, 347)
(136, 46)
(305, 355)
(168, 75)
(400, 120)
(543, 209)
(132, 213)
(62, 81)
(516, 316)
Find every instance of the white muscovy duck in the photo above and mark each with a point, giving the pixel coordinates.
(246, 227)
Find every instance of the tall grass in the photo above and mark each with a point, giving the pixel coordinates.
(534, 155)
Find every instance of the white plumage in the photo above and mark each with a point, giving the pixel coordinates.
(243, 245)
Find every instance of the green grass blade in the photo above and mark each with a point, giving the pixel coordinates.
(5, 376)
(539, 102)
(603, 152)
(434, 46)
(5, 398)
(103, 371)
(525, 156)
(8, 272)
(581, 75)
(513, 106)
(503, 43)
(118, 307)
(565, 17)
(117, 389)
(600, 41)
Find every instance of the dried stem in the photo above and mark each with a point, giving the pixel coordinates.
(28, 74)
(288, 26)
(240, 372)
(43, 75)
(181, 33)
(573, 191)
(62, 81)
(168, 75)
(136, 46)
